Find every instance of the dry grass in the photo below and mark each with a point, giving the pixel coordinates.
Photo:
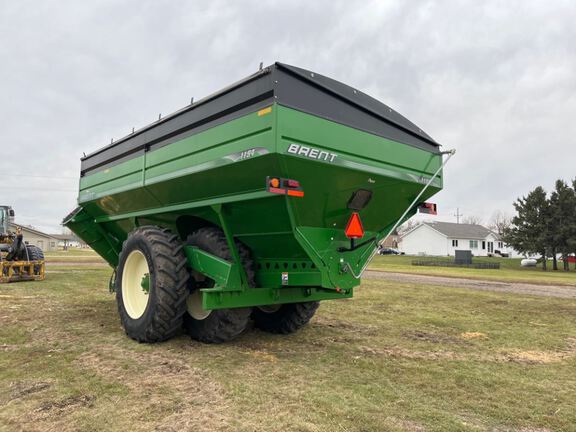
(397, 357)
(73, 256)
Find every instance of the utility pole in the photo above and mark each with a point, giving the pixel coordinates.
(458, 215)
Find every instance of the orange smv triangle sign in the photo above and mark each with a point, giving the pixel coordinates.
(354, 228)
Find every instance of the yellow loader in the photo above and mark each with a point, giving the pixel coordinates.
(18, 261)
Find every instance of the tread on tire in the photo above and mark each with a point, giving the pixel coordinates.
(168, 281)
(221, 325)
(287, 319)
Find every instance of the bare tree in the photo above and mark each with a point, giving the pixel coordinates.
(499, 222)
(473, 220)
(406, 226)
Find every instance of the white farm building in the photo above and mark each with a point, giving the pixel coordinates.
(444, 238)
(46, 242)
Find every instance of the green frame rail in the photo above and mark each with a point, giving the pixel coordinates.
(230, 292)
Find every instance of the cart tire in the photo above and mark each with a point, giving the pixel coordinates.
(285, 319)
(151, 284)
(219, 325)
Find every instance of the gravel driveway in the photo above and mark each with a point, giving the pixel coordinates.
(562, 291)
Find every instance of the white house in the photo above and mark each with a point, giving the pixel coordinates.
(444, 238)
(69, 240)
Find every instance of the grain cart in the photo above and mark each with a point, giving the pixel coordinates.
(18, 260)
(257, 202)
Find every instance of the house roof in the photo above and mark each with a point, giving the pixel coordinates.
(32, 230)
(460, 231)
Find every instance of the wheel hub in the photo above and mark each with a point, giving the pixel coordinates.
(145, 283)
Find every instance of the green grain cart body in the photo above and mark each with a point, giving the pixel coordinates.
(211, 164)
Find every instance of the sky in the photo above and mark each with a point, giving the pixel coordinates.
(493, 79)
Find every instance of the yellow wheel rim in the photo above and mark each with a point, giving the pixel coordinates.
(135, 284)
(195, 309)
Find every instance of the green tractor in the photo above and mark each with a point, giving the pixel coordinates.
(18, 260)
(257, 202)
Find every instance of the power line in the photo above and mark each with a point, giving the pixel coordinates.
(458, 215)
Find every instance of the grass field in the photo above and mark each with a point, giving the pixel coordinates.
(396, 357)
(71, 252)
(73, 256)
(510, 270)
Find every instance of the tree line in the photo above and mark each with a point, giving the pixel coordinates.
(545, 224)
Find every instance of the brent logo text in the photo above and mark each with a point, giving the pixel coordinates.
(311, 153)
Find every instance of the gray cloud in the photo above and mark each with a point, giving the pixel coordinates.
(493, 79)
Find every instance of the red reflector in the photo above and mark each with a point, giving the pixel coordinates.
(295, 193)
(354, 228)
(428, 208)
(292, 183)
